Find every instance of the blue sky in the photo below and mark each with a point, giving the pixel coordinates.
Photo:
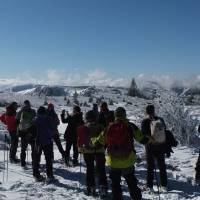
(113, 39)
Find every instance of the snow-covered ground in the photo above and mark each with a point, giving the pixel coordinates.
(18, 183)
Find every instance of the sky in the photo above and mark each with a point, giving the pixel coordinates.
(98, 41)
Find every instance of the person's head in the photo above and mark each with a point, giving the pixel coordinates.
(90, 116)
(95, 107)
(41, 110)
(14, 105)
(104, 107)
(76, 109)
(150, 109)
(27, 103)
(50, 106)
(120, 112)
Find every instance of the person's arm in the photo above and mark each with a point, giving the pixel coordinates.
(18, 116)
(63, 119)
(2, 118)
(139, 136)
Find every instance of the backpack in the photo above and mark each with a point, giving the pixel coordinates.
(158, 131)
(119, 140)
(85, 134)
(25, 122)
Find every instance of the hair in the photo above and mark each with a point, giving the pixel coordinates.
(27, 102)
(41, 110)
(90, 116)
(77, 109)
(150, 109)
(104, 104)
(120, 112)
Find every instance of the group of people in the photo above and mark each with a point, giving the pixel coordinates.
(103, 138)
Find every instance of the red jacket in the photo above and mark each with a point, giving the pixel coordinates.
(9, 119)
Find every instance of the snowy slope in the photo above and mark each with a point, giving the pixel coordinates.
(19, 183)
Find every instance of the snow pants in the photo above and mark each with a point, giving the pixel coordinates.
(155, 154)
(197, 175)
(129, 176)
(71, 142)
(24, 144)
(56, 139)
(48, 153)
(14, 144)
(99, 158)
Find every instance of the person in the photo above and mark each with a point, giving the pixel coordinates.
(74, 121)
(197, 168)
(154, 151)
(54, 125)
(105, 116)
(119, 140)
(92, 154)
(26, 130)
(96, 112)
(44, 143)
(9, 119)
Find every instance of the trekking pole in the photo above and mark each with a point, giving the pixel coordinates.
(157, 183)
(7, 160)
(80, 170)
(27, 155)
(4, 158)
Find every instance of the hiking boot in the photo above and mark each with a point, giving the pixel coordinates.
(75, 162)
(23, 164)
(163, 189)
(103, 191)
(197, 182)
(39, 178)
(51, 179)
(14, 160)
(91, 191)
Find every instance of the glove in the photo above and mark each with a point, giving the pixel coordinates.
(151, 140)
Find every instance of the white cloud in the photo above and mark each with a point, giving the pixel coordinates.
(97, 77)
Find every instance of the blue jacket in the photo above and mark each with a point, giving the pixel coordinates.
(44, 131)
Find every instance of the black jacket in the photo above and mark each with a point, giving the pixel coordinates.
(106, 117)
(146, 130)
(73, 121)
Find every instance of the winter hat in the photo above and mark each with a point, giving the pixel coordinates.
(41, 110)
(27, 103)
(50, 106)
(76, 109)
(150, 110)
(120, 112)
(104, 105)
(90, 116)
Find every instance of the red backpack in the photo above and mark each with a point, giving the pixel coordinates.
(119, 140)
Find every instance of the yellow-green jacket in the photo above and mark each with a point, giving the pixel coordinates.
(130, 160)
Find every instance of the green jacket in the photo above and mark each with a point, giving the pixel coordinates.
(130, 160)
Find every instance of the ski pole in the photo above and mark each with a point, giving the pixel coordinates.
(157, 183)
